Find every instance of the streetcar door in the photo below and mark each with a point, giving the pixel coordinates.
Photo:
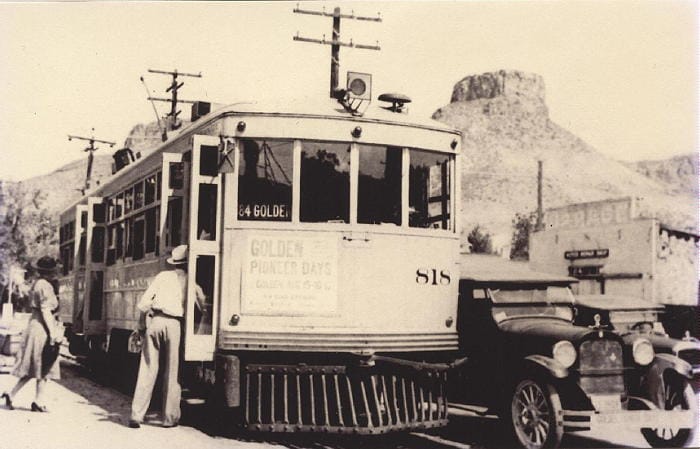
(79, 268)
(94, 266)
(201, 313)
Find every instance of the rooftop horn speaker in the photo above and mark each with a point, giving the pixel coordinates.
(359, 86)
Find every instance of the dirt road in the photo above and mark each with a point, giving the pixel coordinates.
(85, 414)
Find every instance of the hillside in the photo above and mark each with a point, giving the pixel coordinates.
(506, 130)
(680, 173)
(506, 127)
(62, 186)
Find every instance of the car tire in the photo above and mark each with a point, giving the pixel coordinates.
(678, 394)
(534, 409)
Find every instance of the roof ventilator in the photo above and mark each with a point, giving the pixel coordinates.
(398, 101)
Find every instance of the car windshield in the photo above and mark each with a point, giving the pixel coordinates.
(535, 302)
(636, 320)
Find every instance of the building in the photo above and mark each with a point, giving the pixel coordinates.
(612, 247)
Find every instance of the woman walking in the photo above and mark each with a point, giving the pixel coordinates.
(38, 357)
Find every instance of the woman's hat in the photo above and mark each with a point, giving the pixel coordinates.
(46, 264)
(178, 256)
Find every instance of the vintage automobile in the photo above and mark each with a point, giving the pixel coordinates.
(672, 379)
(544, 376)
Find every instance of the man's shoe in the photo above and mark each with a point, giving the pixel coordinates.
(8, 401)
(134, 424)
(38, 408)
(167, 426)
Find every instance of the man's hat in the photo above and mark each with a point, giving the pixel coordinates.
(178, 256)
(46, 264)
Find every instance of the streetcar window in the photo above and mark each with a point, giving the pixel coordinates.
(204, 295)
(96, 288)
(429, 190)
(128, 200)
(138, 238)
(151, 230)
(209, 160)
(379, 185)
(119, 206)
(150, 190)
(81, 250)
(120, 240)
(66, 258)
(138, 195)
(98, 213)
(83, 219)
(264, 180)
(325, 182)
(97, 248)
(174, 222)
(129, 239)
(111, 245)
(206, 214)
(159, 182)
(177, 175)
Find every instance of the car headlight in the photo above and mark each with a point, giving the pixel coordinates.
(642, 351)
(564, 353)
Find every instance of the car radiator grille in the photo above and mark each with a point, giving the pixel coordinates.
(691, 356)
(601, 364)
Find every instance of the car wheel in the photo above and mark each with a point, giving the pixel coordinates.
(534, 410)
(678, 395)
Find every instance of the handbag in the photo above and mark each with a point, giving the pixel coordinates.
(59, 332)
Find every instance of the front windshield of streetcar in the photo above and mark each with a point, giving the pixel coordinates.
(536, 302)
(396, 186)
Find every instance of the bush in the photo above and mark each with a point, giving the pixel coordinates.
(480, 241)
(523, 224)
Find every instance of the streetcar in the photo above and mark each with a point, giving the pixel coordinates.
(326, 241)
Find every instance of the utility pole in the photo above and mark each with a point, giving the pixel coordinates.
(335, 41)
(539, 225)
(173, 100)
(90, 150)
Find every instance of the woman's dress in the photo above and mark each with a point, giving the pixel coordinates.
(37, 357)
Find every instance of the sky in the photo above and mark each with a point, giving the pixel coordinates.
(621, 75)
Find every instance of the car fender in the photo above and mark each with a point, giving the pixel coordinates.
(554, 368)
(655, 378)
(665, 362)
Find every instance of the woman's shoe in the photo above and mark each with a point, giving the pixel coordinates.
(38, 408)
(8, 401)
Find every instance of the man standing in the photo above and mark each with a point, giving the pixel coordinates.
(164, 300)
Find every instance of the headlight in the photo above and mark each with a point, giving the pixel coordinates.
(564, 353)
(642, 351)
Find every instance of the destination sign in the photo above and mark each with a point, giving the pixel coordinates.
(586, 254)
(267, 212)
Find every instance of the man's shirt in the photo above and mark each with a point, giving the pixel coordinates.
(167, 293)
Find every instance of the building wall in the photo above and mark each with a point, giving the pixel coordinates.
(676, 269)
(629, 248)
(667, 262)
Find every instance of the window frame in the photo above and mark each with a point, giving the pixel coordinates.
(231, 198)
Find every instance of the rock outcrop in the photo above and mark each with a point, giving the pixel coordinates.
(506, 130)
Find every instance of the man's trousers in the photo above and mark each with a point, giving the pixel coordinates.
(162, 344)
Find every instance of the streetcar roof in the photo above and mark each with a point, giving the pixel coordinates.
(313, 108)
(329, 108)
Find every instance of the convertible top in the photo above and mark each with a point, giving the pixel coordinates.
(488, 269)
(616, 302)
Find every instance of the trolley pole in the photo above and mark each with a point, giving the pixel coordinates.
(335, 52)
(90, 149)
(173, 100)
(540, 214)
(335, 41)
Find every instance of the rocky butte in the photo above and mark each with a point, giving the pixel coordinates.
(506, 129)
